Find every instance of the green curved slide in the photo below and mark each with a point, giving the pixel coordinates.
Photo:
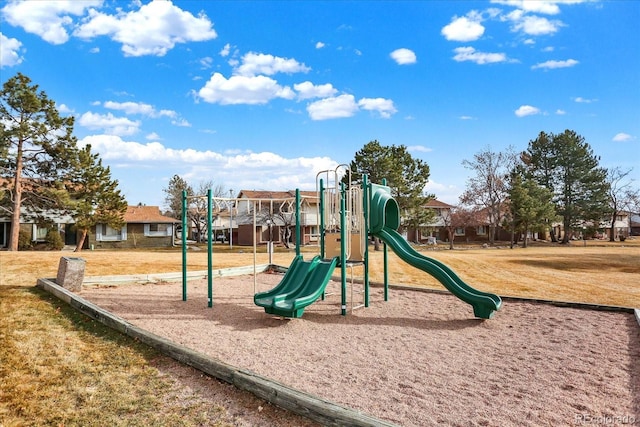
(385, 219)
(303, 283)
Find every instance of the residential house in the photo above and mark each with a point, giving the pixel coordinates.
(145, 227)
(275, 217)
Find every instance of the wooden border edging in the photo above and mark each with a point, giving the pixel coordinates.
(296, 401)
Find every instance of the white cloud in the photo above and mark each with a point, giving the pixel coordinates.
(181, 123)
(245, 169)
(535, 25)
(560, 112)
(109, 123)
(446, 193)
(419, 148)
(10, 51)
(403, 56)
(64, 109)
(152, 137)
(467, 118)
(470, 54)
(154, 29)
(582, 100)
(548, 49)
(243, 90)
(535, 6)
(555, 64)
(307, 90)
(527, 110)
(94, 50)
(47, 19)
(131, 107)
(259, 63)
(383, 106)
(622, 137)
(464, 29)
(225, 50)
(333, 108)
(320, 45)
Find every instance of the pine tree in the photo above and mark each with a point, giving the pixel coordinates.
(406, 176)
(36, 149)
(566, 165)
(93, 196)
(529, 204)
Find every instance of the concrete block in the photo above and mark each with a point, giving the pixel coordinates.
(71, 273)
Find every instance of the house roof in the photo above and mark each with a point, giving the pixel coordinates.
(435, 203)
(257, 194)
(146, 214)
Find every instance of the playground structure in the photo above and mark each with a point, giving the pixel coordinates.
(348, 216)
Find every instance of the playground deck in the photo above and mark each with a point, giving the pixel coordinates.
(419, 359)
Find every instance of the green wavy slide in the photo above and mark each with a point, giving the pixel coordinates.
(303, 283)
(385, 219)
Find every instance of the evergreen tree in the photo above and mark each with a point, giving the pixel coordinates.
(173, 195)
(567, 166)
(94, 196)
(530, 205)
(36, 151)
(406, 176)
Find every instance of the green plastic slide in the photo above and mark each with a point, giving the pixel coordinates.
(303, 283)
(385, 220)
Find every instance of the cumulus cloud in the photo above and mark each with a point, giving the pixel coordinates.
(464, 29)
(622, 137)
(560, 112)
(245, 169)
(549, 65)
(382, 106)
(46, 19)
(536, 6)
(470, 54)
(10, 51)
(333, 108)
(110, 124)
(153, 29)
(527, 110)
(307, 90)
(139, 108)
(224, 52)
(320, 45)
(403, 56)
(536, 25)
(253, 64)
(243, 90)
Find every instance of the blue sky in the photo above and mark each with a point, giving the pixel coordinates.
(261, 95)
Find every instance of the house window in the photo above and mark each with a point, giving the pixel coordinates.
(459, 231)
(104, 233)
(40, 233)
(482, 230)
(157, 230)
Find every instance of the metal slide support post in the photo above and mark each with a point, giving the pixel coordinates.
(321, 210)
(343, 250)
(210, 248)
(184, 245)
(365, 230)
(297, 221)
(385, 262)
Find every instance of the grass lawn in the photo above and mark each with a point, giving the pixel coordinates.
(58, 367)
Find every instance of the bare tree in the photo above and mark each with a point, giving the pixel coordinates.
(458, 216)
(488, 189)
(622, 195)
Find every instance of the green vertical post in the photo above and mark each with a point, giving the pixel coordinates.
(365, 230)
(343, 250)
(321, 210)
(385, 262)
(184, 245)
(297, 221)
(210, 248)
